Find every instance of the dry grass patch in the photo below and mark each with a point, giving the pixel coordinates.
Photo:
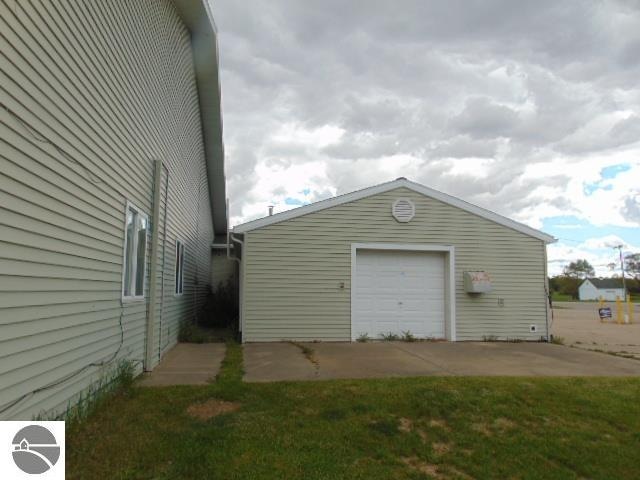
(504, 424)
(211, 408)
(421, 466)
(405, 425)
(441, 448)
(482, 428)
(438, 423)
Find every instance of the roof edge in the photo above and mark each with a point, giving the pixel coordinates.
(198, 18)
(384, 187)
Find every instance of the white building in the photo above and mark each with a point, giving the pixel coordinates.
(607, 288)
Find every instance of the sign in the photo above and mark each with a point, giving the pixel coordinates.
(605, 312)
(32, 450)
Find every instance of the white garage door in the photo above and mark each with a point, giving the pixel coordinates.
(398, 291)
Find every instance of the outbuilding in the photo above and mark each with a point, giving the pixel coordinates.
(397, 258)
(605, 288)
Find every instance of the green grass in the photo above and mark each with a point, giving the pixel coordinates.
(525, 428)
(562, 297)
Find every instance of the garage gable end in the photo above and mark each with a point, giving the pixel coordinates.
(401, 210)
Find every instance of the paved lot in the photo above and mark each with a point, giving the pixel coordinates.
(579, 325)
(286, 361)
(186, 364)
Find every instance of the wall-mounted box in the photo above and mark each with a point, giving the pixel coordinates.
(477, 282)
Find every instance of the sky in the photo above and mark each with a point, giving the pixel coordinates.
(529, 109)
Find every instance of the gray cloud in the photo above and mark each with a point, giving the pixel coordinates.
(513, 83)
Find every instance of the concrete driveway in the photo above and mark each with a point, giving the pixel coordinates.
(267, 362)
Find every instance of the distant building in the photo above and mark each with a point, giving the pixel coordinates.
(607, 288)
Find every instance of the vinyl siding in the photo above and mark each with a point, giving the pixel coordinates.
(293, 269)
(112, 85)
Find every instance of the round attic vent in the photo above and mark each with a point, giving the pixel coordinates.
(403, 210)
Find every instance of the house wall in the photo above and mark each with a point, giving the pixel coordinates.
(293, 269)
(111, 87)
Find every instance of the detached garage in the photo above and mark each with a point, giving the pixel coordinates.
(394, 258)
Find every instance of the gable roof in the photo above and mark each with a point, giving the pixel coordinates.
(385, 187)
(605, 282)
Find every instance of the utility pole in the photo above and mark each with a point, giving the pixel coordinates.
(624, 287)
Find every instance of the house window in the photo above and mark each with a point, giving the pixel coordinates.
(135, 253)
(179, 278)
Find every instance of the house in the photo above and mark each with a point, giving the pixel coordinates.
(395, 257)
(605, 288)
(112, 189)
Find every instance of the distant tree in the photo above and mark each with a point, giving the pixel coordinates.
(565, 285)
(579, 269)
(632, 265)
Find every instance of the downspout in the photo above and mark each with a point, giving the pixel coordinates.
(153, 287)
(240, 282)
(164, 256)
(547, 305)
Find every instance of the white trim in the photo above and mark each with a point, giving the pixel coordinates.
(385, 187)
(450, 278)
(133, 298)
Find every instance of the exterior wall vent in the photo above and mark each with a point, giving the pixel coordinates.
(403, 210)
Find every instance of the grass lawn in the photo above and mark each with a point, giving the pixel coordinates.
(446, 427)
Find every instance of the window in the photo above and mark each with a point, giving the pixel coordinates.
(179, 279)
(135, 253)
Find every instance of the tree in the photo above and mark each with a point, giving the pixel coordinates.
(579, 269)
(632, 265)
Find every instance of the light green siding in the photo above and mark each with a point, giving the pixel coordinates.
(112, 85)
(293, 269)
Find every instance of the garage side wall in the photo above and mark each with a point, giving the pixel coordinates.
(294, 269)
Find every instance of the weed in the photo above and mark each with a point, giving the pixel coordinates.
(118, 379)
(489, 338)
(363, 338)
(389, 337)
(308, 352)
(190, 332)
(408, 337)
(557, 340)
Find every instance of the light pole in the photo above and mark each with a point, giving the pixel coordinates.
(624, 287)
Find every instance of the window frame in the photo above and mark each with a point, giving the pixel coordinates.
(134, 267)
(178, 282)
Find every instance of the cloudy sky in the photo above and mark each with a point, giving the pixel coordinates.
(530, 109)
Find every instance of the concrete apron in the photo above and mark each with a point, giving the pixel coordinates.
(268, 362)
(187, 364)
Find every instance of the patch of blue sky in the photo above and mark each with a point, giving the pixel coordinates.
(613, 170)
(606, 173)
(305, 191)
(294, 201)
(573, 229)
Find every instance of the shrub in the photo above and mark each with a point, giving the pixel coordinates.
(362, 338)
(221, 309)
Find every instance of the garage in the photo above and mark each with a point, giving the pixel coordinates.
(397, 291)
(397, 258)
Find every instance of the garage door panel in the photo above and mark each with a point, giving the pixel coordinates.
(399, 291)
